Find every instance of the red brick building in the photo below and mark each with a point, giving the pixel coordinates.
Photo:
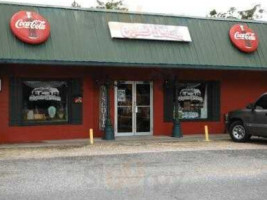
(54, 89)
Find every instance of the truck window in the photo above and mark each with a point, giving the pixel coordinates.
(262, 103)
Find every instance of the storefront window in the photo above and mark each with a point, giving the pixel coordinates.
(193, 99)
(198, 100)
(45, 101)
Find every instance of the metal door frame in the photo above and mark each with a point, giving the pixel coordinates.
(133, 133)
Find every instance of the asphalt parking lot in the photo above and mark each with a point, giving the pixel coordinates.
(203, 174)
(136, 168)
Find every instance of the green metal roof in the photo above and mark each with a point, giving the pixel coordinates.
(82, 37)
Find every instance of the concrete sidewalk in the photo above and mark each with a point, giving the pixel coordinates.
(130, 140)
(123, 145)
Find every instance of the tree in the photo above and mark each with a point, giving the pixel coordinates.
(75, 4)
(111, 5)
(254, 13)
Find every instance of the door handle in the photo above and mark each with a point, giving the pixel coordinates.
(136, 109)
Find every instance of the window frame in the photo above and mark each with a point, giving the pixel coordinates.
(255, 105)
(210, 101)
(201, 82)
(38, 123)
(74, 89)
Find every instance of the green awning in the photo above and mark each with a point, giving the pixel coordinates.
(82, 37)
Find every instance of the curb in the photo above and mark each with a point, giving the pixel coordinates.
(125, 141)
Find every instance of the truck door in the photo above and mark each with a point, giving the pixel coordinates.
(258, 123)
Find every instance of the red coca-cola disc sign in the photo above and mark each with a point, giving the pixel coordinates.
(244, 38)
(30, 27)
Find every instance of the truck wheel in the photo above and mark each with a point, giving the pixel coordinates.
(238, 132)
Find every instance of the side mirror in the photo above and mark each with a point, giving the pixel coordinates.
(250, 106)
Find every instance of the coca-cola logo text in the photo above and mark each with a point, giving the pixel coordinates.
(30, 27)
(244, 38)
(36, 24)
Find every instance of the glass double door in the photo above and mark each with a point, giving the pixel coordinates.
(133, 108)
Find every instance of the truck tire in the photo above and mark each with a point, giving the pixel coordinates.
(238, 132)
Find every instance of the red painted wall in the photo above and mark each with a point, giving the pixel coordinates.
(238, 88)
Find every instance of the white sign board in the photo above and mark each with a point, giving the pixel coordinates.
(149, 31)
(121, 95)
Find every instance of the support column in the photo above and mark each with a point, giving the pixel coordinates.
(176, 131)
(108, 131)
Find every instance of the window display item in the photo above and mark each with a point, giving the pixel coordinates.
(52, 111)
(30, 115)
(46, 94)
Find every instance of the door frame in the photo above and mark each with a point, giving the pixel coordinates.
(133, 133)
(256, 125)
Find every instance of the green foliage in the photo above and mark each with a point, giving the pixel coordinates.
(229, 14)
(254, 13)
(75, 4)
(111, 5)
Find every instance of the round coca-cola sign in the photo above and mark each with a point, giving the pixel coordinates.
(244, 38)
(30, 27)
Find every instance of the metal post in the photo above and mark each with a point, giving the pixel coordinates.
(176, 132)
(108, 131)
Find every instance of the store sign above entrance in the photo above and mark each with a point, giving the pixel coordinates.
(244, 38)
(149, 31)
(30, 27)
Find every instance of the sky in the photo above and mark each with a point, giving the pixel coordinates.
(178, 7)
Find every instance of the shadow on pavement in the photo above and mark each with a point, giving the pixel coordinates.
(258, 140)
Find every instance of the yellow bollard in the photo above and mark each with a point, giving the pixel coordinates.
(91, 136)
(206, 134)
